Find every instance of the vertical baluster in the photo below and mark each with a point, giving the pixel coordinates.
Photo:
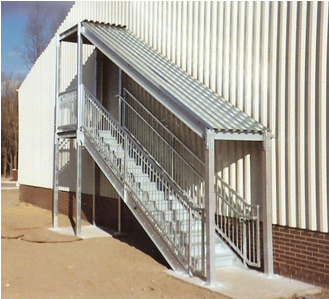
(244, 237)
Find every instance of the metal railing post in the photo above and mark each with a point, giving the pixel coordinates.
(125, 161)
(190, 242)
(244, 238)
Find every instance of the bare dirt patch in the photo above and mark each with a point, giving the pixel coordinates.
(91, 268)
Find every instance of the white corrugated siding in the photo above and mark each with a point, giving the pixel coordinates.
(268, 58)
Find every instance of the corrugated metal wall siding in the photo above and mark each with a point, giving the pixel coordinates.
(268, 58)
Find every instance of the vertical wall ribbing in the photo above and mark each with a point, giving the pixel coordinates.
(323, 100)
(291, 110)
(268, 58)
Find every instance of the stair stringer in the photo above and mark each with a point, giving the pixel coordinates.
(156, 238)
(107, 171)
(118, 185)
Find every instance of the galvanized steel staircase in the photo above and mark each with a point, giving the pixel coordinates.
(169, 216)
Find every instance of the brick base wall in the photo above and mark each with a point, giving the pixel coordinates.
(301, 254)
(106, 212)
(298, 254)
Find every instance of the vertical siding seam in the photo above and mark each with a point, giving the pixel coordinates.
(301, 72)
(322, 119)
(311, 131)
(291, 108)
(281, 116)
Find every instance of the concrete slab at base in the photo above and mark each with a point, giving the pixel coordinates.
(239, 283)
(87, 232)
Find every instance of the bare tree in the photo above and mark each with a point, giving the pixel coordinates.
(9, 123)
(35, 35)
(41, 26)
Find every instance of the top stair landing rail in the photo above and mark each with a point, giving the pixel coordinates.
(67, 111)
(168, 209)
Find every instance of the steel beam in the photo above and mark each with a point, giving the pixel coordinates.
(210, 207)
(267, 206)
(68, 33)
(239, 136)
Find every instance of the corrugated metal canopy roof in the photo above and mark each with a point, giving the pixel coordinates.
(201, 103)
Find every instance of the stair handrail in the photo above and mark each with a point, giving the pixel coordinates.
(229, 222)
(186, 176)
(188, 206)
(239, 197)
(165, 128)
(183, 194)
(166, 142)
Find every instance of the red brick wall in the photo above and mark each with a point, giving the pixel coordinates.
(106, 208)
(301, 254)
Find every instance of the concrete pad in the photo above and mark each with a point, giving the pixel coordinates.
(240, 283)
(87, 232)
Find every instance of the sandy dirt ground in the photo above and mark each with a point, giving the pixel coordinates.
(38, 263)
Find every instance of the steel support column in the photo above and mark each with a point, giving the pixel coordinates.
(79, 134)
(210, 207)
(56, 140)
(267, 206)
(94, 192)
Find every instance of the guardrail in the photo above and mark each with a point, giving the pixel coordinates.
(67, 108)
(175, 158)
(169, 210)
(238, 223)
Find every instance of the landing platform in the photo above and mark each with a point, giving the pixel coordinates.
(239, 283)
(87, 232)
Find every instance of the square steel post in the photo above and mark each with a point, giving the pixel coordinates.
(210, 207)
(56, 139)
(94, 193)
(267, 206)
(79, 133)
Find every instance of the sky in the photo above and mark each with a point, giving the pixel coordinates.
(13, 22)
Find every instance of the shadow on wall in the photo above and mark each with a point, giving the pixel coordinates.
(240, 164)
(88, 75)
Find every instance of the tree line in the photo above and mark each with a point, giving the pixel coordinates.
(9, 123)
(41, 26)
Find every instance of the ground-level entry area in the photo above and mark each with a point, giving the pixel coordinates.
(288, 243)
(99, 267)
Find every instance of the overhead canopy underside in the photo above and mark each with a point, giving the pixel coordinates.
(195, 104)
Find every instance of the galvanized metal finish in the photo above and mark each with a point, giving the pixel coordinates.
(168, 209)
(56, 141)
(210, 207)
(176, 159)
(67, 116)
(243, 63)
(267, 207)
(198, 101)
(238, 223)
(79, 133)
(94, 192)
